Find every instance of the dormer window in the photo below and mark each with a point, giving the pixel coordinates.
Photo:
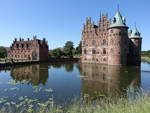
(114, 20)
(17, 45)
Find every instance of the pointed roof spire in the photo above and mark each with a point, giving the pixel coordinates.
(135, 33)
(118, 20)
(118, 8)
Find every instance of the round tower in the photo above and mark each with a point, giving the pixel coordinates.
(136, 40)
(118, 41)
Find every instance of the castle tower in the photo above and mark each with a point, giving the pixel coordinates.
(136, 42)
(118, 41)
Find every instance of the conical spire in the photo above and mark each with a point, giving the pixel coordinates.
(118, 20)
(135, 33)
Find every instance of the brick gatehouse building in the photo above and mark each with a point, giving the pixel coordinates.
(32, 50)
(110, 43)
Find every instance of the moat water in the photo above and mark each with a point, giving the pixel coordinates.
(63, 82)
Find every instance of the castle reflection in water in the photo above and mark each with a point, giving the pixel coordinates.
(109, 80)
(96, 79)
(34, 74)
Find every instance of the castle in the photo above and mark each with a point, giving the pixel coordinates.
(110, 43)
(31, 50)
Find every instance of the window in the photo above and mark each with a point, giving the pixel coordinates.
(93, 42)
(93, 51)
(84, 51)
(104, 59)
(111, 31)
(104, 51)
(27, 45)
(17, 45)
(104, 42)
(22, 45)
(120, 33)
(119, 43)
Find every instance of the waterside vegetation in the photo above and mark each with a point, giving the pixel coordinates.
(122, 105)
(145, 56)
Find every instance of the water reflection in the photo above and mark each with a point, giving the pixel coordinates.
(34, 74)
(69, 67)
(107, 80)
(96, 79)
(67, 81)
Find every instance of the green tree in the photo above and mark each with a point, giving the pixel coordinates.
(56, 53)
(79, 48)
(3, 52)
(68, 49)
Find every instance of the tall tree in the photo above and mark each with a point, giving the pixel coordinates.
(79, 48)
(3, 52)
(68, 49)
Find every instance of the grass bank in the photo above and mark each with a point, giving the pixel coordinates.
(142, 105)
(122, 105)
(145, 59)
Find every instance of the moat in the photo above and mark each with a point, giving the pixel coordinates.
(63, 82)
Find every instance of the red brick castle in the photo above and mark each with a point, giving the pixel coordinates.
(31, 50)
(110, 43)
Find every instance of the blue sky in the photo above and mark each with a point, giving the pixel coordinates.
(62, 20)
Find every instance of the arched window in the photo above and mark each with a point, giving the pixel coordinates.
(93, 42)
(104, 59)
(93, 51)
(104, 42)
(104, 51)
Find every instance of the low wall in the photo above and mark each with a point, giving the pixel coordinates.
(51, 60)
(63, 60)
